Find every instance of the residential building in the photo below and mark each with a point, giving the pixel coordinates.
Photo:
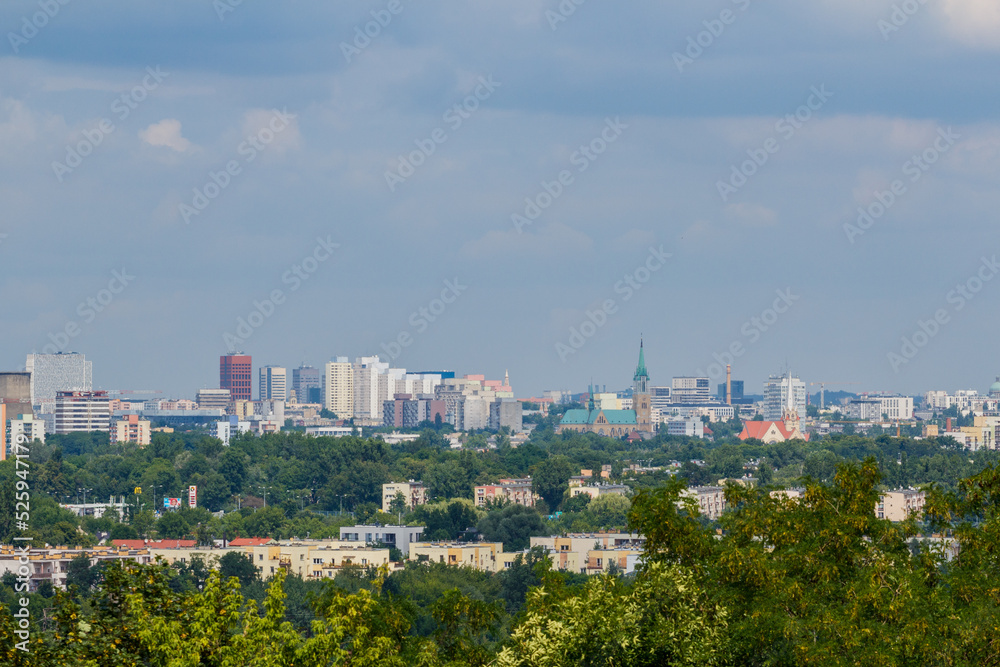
(213, 399)
(331, 431)
(864, 409)
(15, 393)
(690, 390)
(273, 384)
(711, 500)
(478, 555)
(367, 407)
(694, 428)
(506, 412)
(19, 429)
(900, 505)
(131, 429)
(338, 388)
(52, 563)
(415, 494)
(235, 370)
(401, 537)
(307, 384)
(598, 490)
(784, 395)
(591, 553)
(82, 411)
(516, 491)
(897, 408)
(51, 373)
(226, 429)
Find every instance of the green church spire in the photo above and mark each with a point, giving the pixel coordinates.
(640, 370)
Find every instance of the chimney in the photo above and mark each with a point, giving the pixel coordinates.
(947, 426)
(729, 384)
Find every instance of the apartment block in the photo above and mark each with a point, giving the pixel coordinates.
(900, 505)
(307, 384)
(338, 388)
(479, 555)
(516, 491)
(235, 370)
(401, 537)
(273, 384)
(598, 490)
(131, 429)
(82, 411)
(414, 492)
(711, 500)
(213, 399)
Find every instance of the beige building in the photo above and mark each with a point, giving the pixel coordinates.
(516, 491)
(414, 492)
(52, 563)
(338, 388)
(591, 553)
(711, 500)
(131, 429)
(484, 556)
(900, 505)
(598, 490)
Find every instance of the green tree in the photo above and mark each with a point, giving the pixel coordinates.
(551, 479)
(512, 525)
(235, 564)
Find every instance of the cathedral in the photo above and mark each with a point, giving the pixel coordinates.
(616, 423)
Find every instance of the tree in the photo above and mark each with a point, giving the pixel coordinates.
(512, 525)
(172, 525)
(551, 479)
(398, 505)
(82, 574)
(610, 510)
(235, 564)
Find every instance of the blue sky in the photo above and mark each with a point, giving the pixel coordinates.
(322, 175)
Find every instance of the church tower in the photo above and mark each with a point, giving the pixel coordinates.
(640, 395)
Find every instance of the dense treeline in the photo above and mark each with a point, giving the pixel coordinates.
(816, 580)
(306, 482)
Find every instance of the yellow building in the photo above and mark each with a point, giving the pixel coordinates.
(900, 505)
(479, 555)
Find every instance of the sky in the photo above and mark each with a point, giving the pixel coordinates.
(522, 185)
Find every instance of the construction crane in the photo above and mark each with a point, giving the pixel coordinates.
(122, 392)
(822, 391)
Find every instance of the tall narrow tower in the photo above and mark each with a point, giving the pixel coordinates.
(640, 395)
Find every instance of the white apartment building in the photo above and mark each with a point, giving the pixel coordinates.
(693, 428)
(690, 390)
(82, 411)
(273, 384)
(26, 428)
(338, 388)
(711, 500)
(225, 430)
(782, 395)
(897, 407)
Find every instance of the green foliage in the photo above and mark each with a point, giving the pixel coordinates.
(512, 525)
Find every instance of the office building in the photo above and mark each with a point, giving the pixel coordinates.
(307, 384)
(131, 429)
(51, 373)
(690, 390)
(78, 411)
(235, 370)
(213, 399)
(737, 391)
(338, 388)
(784, 396)
(273, 384)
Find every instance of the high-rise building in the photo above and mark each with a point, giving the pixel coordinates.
(211, 399)
(273, 384)
(131, 429)
(690, 390)
(641, 402)
(307, 384)
(15, 393)
(51, 373)
(784, 396)
(338, 388)
(234, 374)
(82, 411)
(367, 406)
(737, 391)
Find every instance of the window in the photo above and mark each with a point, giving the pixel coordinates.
(260, 556)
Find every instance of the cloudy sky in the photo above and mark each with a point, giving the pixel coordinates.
(714, 154)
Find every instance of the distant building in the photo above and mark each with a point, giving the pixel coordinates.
(506, 412)
(273, 384)
(15, 393)
(307, 384)
(18, 430)
(694, 428)
(235, 371)
(51, 373)
(225, 430)
(213, 399)
(82, 411)
(516, 491)
(772, 431)
(338, 388)
(690, 390)
(598, 490)
(616, 423)
(720, 391)
(783, 396)
(479, 555)
(400, 537)
(414, 492)
(711, 500)
(131, 429)
(900, 505)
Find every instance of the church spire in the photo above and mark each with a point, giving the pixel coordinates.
(640, 369)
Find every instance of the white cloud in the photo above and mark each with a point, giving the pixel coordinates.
(166, 133)
(974, 22)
